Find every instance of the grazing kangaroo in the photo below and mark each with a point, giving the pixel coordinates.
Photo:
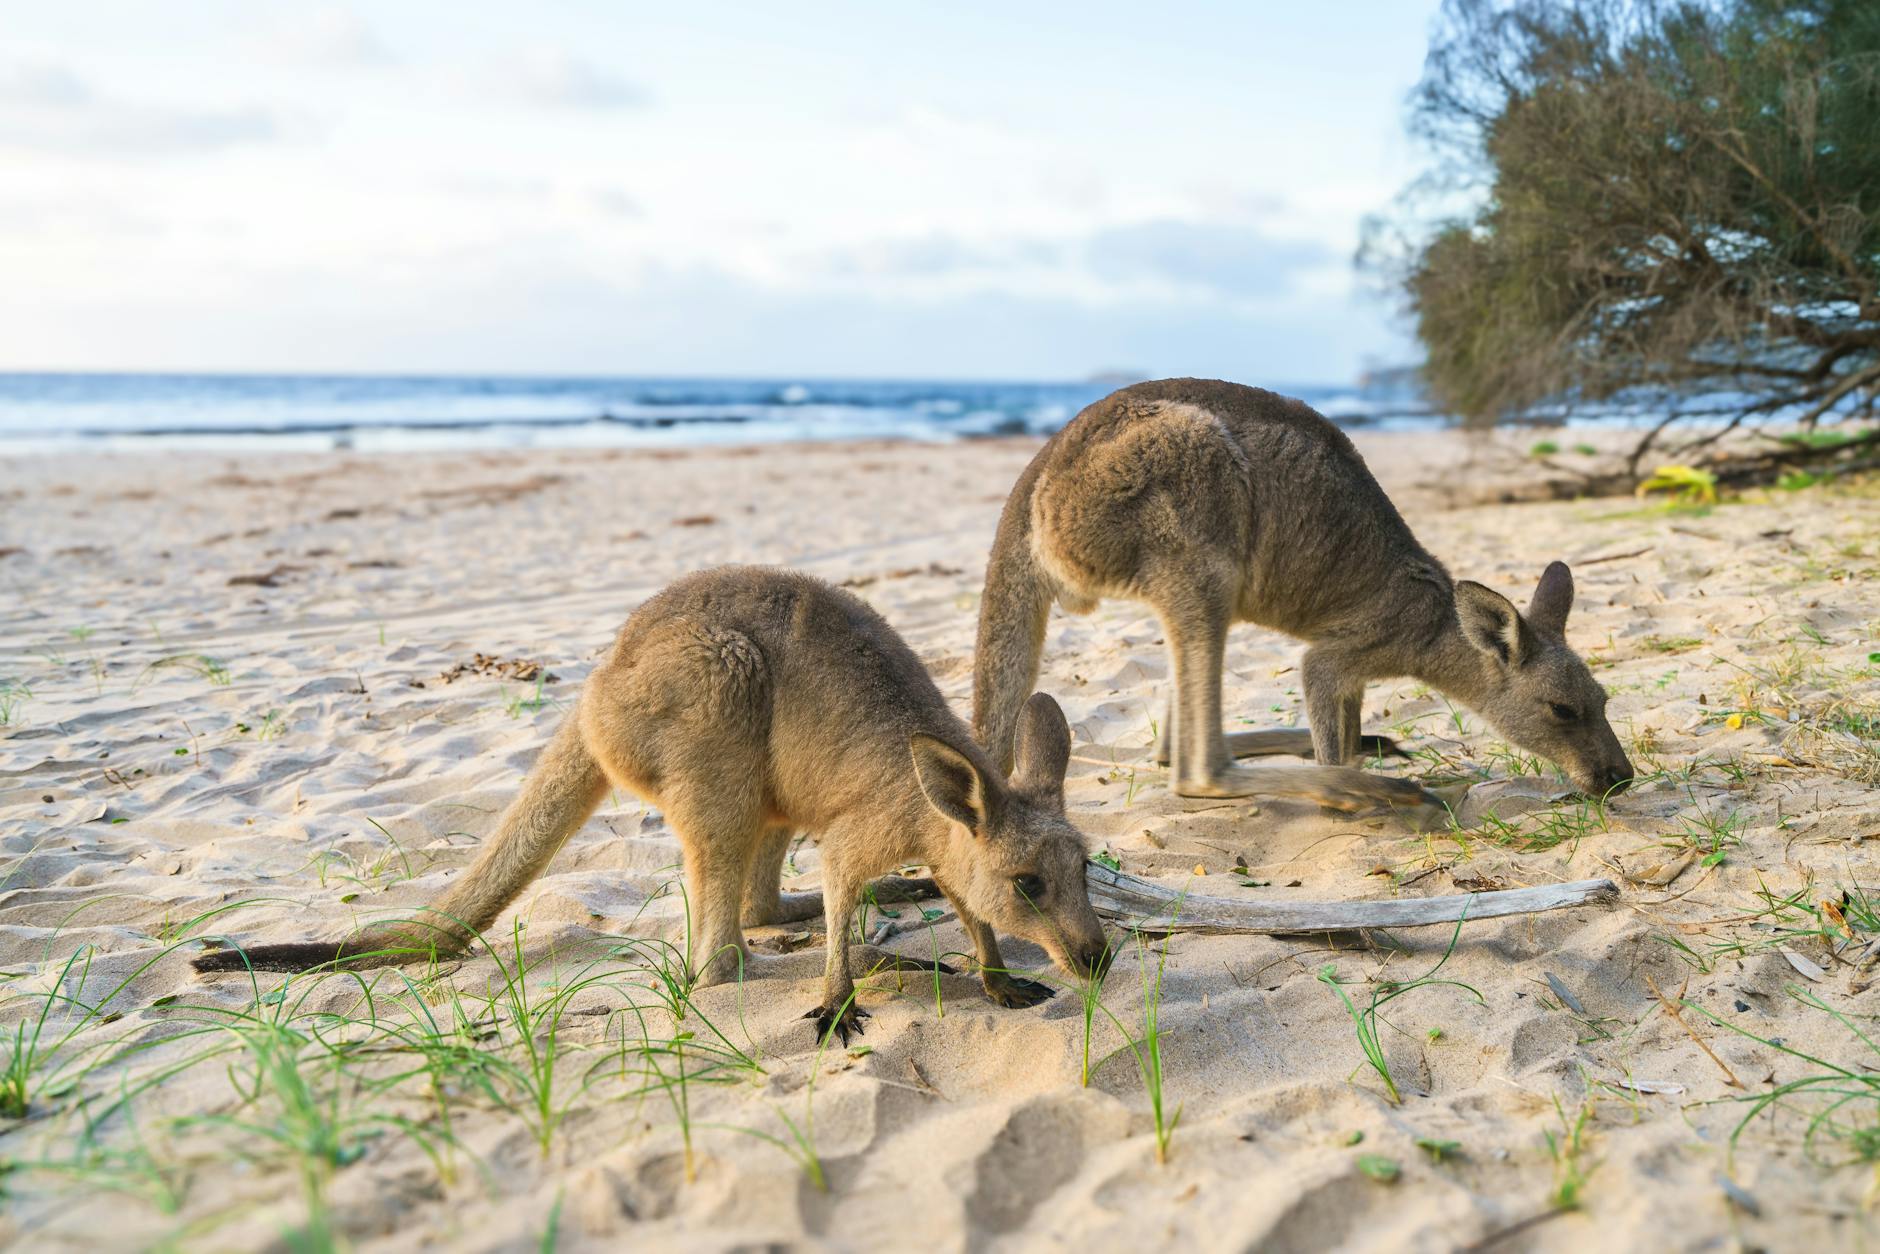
(1216, 503)
(746, 703)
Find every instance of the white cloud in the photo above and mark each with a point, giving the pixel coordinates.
(555, 79)
(1223, 259)
(49, 108)
(615, 203)
(331, 36)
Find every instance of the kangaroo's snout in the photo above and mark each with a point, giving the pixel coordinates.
(1605, 779)
(1615, 780)
(1089, 959)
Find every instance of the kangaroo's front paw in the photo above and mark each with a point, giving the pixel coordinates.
(841, 1021)
(1015, 993)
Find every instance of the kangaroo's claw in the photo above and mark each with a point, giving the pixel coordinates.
(828, 1019)
(1015, 993)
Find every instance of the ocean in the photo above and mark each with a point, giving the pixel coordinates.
(40, 412)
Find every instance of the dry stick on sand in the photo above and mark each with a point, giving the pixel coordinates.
(1150, 907)
(1677, 1015)
(1613, 557)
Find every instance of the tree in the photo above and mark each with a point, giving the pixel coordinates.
(1669, 203)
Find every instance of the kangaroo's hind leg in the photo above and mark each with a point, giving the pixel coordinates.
(1195, 621)
(720, 839)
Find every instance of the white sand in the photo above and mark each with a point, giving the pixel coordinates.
(303, 769)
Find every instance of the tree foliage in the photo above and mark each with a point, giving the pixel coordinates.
(1679, 200)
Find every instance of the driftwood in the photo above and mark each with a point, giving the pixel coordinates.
(1150, 907)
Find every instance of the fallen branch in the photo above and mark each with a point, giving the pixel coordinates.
(1146, 906)
(1150, 907)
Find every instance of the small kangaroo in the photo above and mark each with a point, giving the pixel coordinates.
(1214, 503)
(746, 703)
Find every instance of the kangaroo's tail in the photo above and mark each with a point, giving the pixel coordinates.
(1013, 610)
(1295, 742)
(558, 796)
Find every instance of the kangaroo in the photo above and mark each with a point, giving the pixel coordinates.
(746, 703)
(1214, 503)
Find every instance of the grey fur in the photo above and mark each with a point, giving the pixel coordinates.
(1217, 503)
(747, 703)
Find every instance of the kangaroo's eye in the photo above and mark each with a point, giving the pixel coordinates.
(1029, 887)
(1565, 713)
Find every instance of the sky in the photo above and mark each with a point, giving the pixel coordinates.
(831, 189)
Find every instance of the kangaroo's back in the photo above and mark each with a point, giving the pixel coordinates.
(1212, 470)
(796, 681)
(1211, 501)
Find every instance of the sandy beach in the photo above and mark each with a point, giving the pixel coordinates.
(275, 696)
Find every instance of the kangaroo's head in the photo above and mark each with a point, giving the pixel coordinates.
(1534, 689)
(1014, 860)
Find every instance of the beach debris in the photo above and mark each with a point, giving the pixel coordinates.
(1611, 557)
(1660, 873)
(1666, 1087)
(1150, 907)
(493, 493)
(266, 579)
(488, 664)
(936, 569)
(1803, 966)
(1565, 995)
(1686, 485)
(696, 520)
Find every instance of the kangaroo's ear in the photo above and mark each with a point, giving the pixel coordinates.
(1553, 599)
(1044, 751)
(1491, 623)
(952, 784)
